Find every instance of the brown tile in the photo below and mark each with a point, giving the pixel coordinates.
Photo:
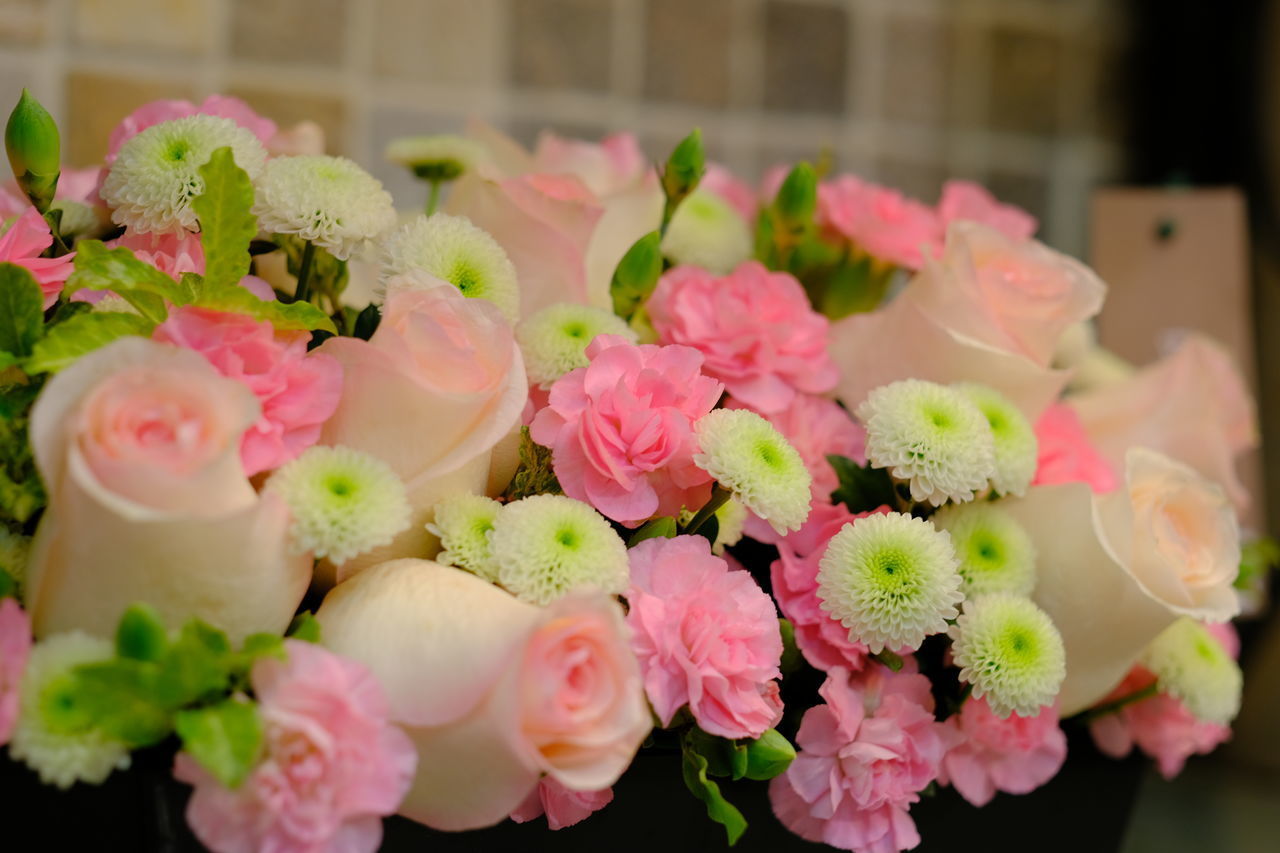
(163, 26)
(805, 55)
(411, 42)
(920, 181)
(23, 21)
(287, 108)
(1025, 73)
(917, 60)
(303, 32)
(97, 102)
(562, 44)
(688, 51)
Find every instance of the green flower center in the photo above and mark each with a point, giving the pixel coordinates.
(60, 709)
(939, 419)
(577, 331)
(466, 278)
(768, 454)
(178, 150)
(568, 537)
(1018, 646)
(894, 573)
(986, 551)
(340, 486)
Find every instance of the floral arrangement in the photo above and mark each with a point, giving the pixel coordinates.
(449, 514)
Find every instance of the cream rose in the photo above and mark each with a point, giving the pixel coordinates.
(138, 446)
(494, 692)
(1116, 569)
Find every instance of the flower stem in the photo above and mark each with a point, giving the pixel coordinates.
(1118, 703)
(433, 198)
(719, 497)
(301, 293)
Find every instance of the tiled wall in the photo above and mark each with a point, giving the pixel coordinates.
(1018, 93)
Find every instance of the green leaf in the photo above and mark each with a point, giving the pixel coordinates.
(83, 334)
(664, 527)
(263, 645)
(8, 359)
(141, 634)
(718, 808)
(792, 659)
(768, 756)
(797, 198)
(861, 489)
(121, 697)
(8, 586)
(227, 225)
(636, 275)
(197, 667)
(21, 310)
(284, 316)
(140, 284)
(224, 738)
(724, 757)
(535, 476)
(305, 627)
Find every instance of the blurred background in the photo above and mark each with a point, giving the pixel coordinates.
(1044, 101)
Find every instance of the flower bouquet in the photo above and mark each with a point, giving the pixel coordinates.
(334, 513)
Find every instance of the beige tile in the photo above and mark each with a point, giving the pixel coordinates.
(177, 26)
(916, 72)
(286, 107)
(919, 180)
(1029, 192)
(561, 44)
(687, 47)
(1025, 73)
(805, 51)
(23, 21)
(442, 41)
(302, 32)
(96, 102)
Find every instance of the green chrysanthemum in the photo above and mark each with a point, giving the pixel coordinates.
(554, 340)
(344, 502)
(441, 157)
(731, 520)
(1014, 444)
(1192, 666)
(706, 231)
(463, 524)
(452, 249)
(54, 736)
(931, 436)
(891, 580)
(156, 174)
(995, 552)
(329, 201)
(1011, 652)
(749, 457)
(548, 545)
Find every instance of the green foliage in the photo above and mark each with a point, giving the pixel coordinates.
(682, 174)
(8, 585)
(224, 738)
(535, 475)
(197, 668)
(797, 198)
(119, 695)
(304, 627)
(285, 316)
(141, 634)
(862, 488)
(696, 767)
(82, 334)
(1257, 559)
(21, 492)
(21, 311)
(664, 527)
(768, 756)
(636, 275)
(140, 284)
(227, 224)
(792, 659)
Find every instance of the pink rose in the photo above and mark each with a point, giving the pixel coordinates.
(969, 201)
(706, 637)
(156, 112)
(755, 329)
(167, 252)
(15, 647)
(613, 165)
(562, 806)
(1065, 453)
(494, 692)
(864, 757)
(1192, 404)
(621, 429)
(297, 391)
(332, 764)
(1015, 755)
(880, 221)
(432, 393)
(24, 242)
(818, 428)
(138, 444)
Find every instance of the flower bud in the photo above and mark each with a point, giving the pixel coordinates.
(797, 198)
(769, 755)
(684, 169)
(34, 149)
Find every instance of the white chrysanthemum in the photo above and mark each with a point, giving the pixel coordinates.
(463, 523)
(14, 549)
(343, 502)
(554, 340)
(441, 157)
(156, 174)
(731, 521)
(54, 736)
(996, 554)
(891, 580)
(327, 200)
(547, 545)
(930, 436)
(748, 456)
(452, 249)
(1014, 445)
(1193, 667)
(1011, 652)
(706, 231)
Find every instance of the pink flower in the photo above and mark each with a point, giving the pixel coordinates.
(333, 764)
(612, 165)
(706, 637)
(562, 806)
(967, 200)
(755, 329)
(156, 112)
(79, 185)
(298, 390)
(818, 427)
(1066, 455)
(881, 221)
(864, 757)
(621, 429)
(169, 253)
(1014, 755)
(24, 242)
(15, 646)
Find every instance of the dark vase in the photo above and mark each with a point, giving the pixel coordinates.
(1085, 807)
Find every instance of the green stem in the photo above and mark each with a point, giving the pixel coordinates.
(433, 198)
(1116, 704)
(301, 293)
(719, 497)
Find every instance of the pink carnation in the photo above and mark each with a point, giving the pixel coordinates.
(156, 112)
(169, 253)
(706, 637)
(969, 201)
(755, 328)
(621, 429)
(15, 646)
(24, 242)
(1015, 755)
(864, 757)
(817, 428)
(562, 806)
(298, 390)
(1066, 455)
(332, 764)
(880, 221)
